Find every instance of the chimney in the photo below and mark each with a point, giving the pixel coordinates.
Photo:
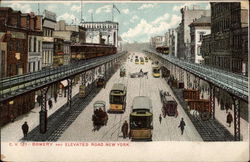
(38, 23)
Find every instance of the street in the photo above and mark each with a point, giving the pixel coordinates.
(82, 128)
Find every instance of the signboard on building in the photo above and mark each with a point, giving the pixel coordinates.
(50, 15)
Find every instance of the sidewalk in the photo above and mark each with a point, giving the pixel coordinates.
(13, 131)
(221, 116)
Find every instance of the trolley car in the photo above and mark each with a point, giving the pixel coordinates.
(136, 61)
(141, 118)
(142, 60)
(156, 71)
(117, 98)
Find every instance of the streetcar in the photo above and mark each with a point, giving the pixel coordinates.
(117, 98)
(156, 71)
(142, 60)
(136, 61)
(141, 118)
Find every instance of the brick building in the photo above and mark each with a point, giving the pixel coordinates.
(184, 40)
(14, 59)
(229, 37)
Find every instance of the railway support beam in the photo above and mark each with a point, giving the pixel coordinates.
(43, 113)
(69, 97)
(188, 80)
(236, 118)
(212, 100)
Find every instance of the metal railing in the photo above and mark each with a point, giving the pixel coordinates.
(231, 82)
(13, 86)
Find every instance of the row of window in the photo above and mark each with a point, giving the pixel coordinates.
(104, 26)
(35, 45)
(220, 8)
(47, 32)
(221, 25)
(34, 66)
(16, 45)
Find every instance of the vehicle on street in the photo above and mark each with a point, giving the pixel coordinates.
(142, 60)
(136, 61)
(100, 116)
(101, 81)
(117, 98)
(122, 72)
(141, 119)
(156, 71)
(169, 105)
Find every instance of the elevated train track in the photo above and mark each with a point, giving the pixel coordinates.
(17, 85)
(235, 84)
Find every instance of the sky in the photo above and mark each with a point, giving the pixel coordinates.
(138, 21)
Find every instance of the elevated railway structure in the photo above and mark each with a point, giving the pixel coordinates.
(236, 85)
(15, 86)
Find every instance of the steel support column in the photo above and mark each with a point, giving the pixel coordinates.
(43, 112)
(212, 100)
(236, 119)
(69, 97)
(188, 79)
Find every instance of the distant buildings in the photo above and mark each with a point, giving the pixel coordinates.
(102, 32)
(157, 41)
(173, 42)
(49, 22)
(198, 28)
(184, 40)
(66, 35)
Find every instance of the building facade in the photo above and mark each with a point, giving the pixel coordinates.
(49, 22)
(102, 32)
(157, 41)
(173, 42)
(198, 28)
(229, 38)
(14, 60)
(35, 37)
(184, 40)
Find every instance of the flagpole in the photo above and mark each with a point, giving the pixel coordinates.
(113, 13)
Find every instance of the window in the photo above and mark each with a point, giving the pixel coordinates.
(39, 46)
(34, 45)
(34, 66)
(199, 50)
(30, 44)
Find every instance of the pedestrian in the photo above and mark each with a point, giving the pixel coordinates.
(160, 118)
(229, 119)
(25, 129)
(12, 117)
(55, 97)
(39, 99)
(182, 125)
(125, 129)
(50, 103)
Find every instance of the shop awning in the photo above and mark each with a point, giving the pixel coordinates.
(64, 83)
